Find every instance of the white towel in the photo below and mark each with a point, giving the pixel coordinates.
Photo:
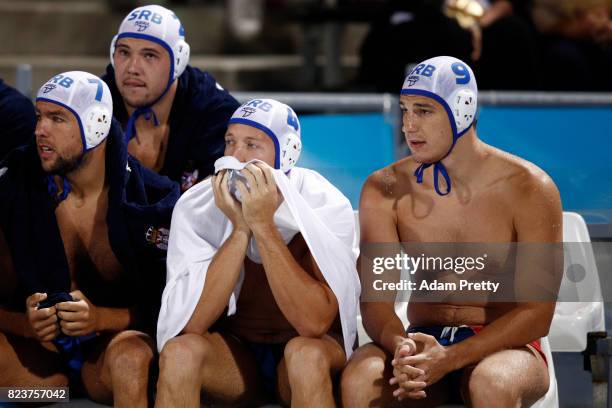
(312, 206)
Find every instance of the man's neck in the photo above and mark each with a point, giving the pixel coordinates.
(89, 179)
(465, 157)
(162, 107)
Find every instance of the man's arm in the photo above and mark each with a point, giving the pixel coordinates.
(224, 269)
(14, 323)
(39, 324)
(307, 303)
(378, 224)
(10, 322)
(221, 279)
(81, 317)
(538, 220)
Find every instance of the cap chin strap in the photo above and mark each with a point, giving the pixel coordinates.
(149, 113)
(438, 168)
(130, 132)
(54, 191)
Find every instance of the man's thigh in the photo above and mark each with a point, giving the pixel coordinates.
(27, 362)
(517, 373)
(96, 371)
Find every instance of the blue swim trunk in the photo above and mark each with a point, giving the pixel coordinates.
(449, 335)
(71, 352)
(268, 356)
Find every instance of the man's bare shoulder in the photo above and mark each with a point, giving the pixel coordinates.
(522, 178)
(388, 183)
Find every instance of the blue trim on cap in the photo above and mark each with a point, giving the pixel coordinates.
(266, 130)
(78, 118)
(157, 41)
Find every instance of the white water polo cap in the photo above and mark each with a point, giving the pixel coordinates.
(278, 121)
(160, 25)
(87, 97)
(451, 83)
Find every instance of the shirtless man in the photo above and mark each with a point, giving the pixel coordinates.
(505, 199)
(75, 215)
(284, 341)
(174, 115)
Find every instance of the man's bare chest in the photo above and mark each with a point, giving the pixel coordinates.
(150, 146)
(482, 218)
(84, 233)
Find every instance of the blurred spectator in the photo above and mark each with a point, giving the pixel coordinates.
(508, 42)
(576, 52)
(493, 37)
(17, 119)
(409, 31)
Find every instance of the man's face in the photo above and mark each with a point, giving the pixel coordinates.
(142, 69)
(426, 128)
(247, 143)
(58, 138)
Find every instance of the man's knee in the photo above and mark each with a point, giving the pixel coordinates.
(185, 353)
(363, 370)
(306, 357)
(490, 383)
(129, 353)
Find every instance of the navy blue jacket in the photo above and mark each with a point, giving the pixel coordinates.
(140, 203)
(17, 119)
(198, 121)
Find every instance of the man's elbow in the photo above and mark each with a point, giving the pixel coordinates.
(542, 330)
(193, 327)
(315, 327)
(312, 330)
(541, 326)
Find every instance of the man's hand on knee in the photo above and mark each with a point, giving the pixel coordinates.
(409, 379)
(43, 324)
(434, 360)
(408, 387)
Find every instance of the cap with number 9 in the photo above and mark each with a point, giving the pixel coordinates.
(451, 83)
